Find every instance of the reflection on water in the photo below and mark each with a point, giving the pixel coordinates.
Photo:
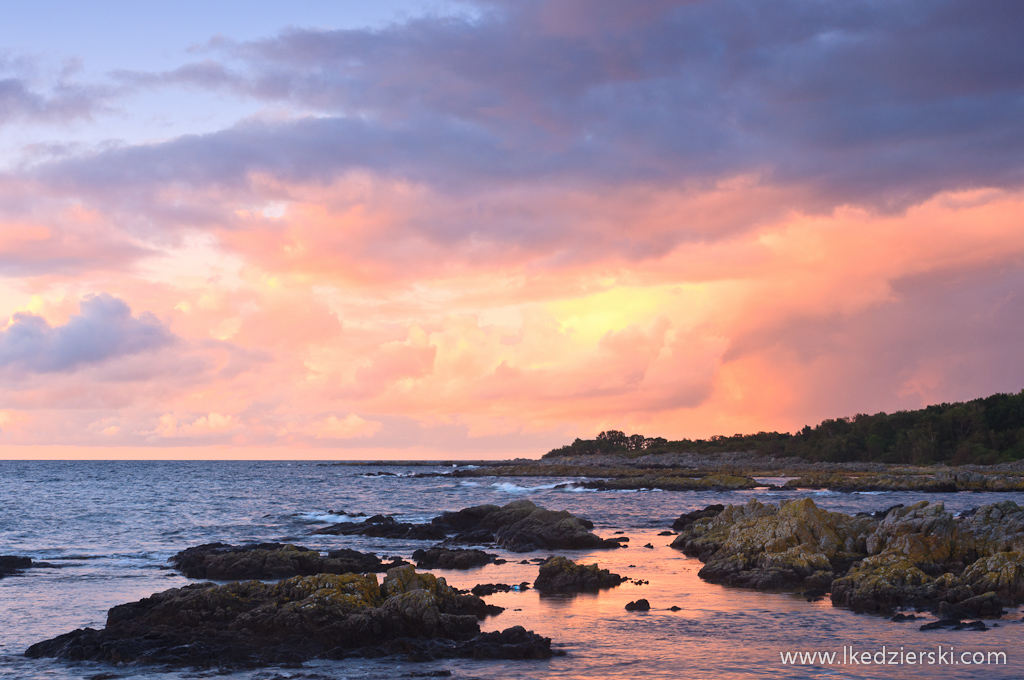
(110, 527)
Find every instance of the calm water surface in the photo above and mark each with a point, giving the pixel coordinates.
(112, 525)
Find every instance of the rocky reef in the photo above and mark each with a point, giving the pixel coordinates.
(562, 575)
(520, 526)
(918, 556)
(222, 562)
(297, 619)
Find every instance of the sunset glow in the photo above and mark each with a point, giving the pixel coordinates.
(485, 229)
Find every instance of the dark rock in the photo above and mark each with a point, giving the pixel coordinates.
(305, 617)
(904, 617)
(985, 606)
(941, 623)
(638, 606)
(267, 561)
(688, 518)
(814, 594)
(13, 564)
(385, 526)
(560, 574)
(445, 558)
(521, 526)
(675, 608)
(667, 533)
(484, 589)
(648, 545)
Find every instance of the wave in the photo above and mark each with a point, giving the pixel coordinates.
(324, 517)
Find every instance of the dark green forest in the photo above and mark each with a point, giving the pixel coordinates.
(982, 431)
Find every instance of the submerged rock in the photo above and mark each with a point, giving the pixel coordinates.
(301, 618)
(916, 556)
(560, 574)
(222, 562)
(460, 558)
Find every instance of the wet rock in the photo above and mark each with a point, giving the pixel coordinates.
(648, 545)
(941, 623)
(667, 533)
(460, 558)
(13, 564)
(688, 518)
(560, 574)
(638, 606)
(675, 608)
(904, 617)
(266, 561)
(385, 526)
(305, 617)
(521, 526)
(485, 589)
(987, 606)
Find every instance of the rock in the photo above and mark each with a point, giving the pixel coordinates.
(673, 608)
(916, 556)
(445, 558)
(304, 617)
(766, 547)
(385, 526)
(666, 533)
(484, 589)
(985, 606)
(267, 561)
(13, 564)
(639, 606)
(560, 574)
(941, 623)
(522, 526)
(686, 519)
(648, 545)
(903, 617)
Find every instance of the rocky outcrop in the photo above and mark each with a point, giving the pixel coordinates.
(385, 526)
(795, 545)
(640, 605)
(440, 557)
(222, 562)
(521, 526)
(562, 575)
(916, 556)
(301, 618)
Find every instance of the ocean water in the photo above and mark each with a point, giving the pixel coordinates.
(110, 526)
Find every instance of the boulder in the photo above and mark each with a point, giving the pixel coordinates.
(13, 564)
(522, 526)
(560, 574)
(294, 620)
(641, 605)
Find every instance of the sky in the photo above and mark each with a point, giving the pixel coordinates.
(484, 228)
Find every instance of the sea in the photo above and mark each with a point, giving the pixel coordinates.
(109, 527)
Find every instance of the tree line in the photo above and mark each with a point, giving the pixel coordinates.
(982, 431)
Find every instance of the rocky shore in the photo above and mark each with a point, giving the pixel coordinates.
(333, 616)
(919, 556)
(737, 470)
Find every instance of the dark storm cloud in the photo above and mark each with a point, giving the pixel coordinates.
(879, 103)
(105, 329)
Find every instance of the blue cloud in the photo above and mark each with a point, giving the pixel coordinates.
(105, 329)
